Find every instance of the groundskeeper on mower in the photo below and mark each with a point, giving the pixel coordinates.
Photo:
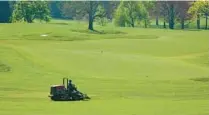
(66, 92)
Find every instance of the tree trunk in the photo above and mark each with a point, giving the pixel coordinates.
(182, 23)
(157, 21)
(29, 20)
(132, 22)
(206, 23)
(164, 23)
(198, 21)
(90, 23)
(171, 17)
(91, 18)
(145, 23)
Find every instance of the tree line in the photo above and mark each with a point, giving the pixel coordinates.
(121, 13)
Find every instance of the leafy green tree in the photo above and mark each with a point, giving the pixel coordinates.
(29, 10)
(130, 12)
(89, 8)
(198, 9)
(149, 9)
(119, 16)
(195, 12)
(42, 11)
(205, 10)
(101, 19)
(92, 8)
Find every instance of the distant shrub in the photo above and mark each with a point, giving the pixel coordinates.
(102, 21)
(4, 68)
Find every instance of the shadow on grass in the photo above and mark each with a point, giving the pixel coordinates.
(61, 23)
(202, 79)
(98, 32)
(4, 68)
(187, 29)
(178, 27)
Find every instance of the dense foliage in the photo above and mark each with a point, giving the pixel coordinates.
(200, 8)
(130, 12)
(30, 10)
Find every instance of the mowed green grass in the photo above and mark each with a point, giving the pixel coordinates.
(126, 71)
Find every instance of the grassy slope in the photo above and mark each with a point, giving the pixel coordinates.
(126, 71)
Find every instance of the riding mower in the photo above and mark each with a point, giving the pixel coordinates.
(65, 93)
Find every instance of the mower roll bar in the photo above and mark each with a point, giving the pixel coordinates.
(64, 81)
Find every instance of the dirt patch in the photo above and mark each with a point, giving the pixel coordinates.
(4, 68)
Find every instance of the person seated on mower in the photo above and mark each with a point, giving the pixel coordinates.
(71, 86)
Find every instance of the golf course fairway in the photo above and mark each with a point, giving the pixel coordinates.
(125, 71)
